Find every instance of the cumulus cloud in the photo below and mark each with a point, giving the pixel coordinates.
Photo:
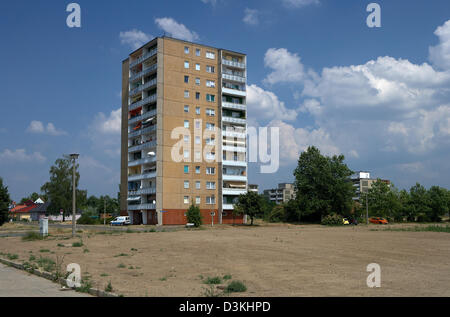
(38, 127)
(104, 132)
(109, 124)
(440, 54)
(21, 155)
(176, 30)
(287, 67)
(134, 38)
(251, 16)
(299, 3)
(212, 2)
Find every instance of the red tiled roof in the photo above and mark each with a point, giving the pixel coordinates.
(23, 208)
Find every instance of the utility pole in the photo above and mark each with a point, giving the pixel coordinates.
(367, 208)
(104, 212)
(74, 193)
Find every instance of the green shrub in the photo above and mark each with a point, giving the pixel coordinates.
(332, 220)
(109, 287)
(32, 236)
(213, 280)
(277, 214)
(236, 287)
(194, 216)
(227, 277)
(46, 263)
(77, 244)
(12, 256)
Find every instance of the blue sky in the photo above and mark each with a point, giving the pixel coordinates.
(378, 95)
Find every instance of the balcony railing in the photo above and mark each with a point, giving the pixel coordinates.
(234, 178)
(228, 207)
(142, 161)
(137, 177)
(142, 191)
(143, 102)
(231, 105)
(230, 134)
(144, 57)
(144, 72)
(233, 64)
(234, 163)
(234, 120)
(142, 207)
(234, 149)
(139, 89)
(233, 78)
(142, 131)
(144, 116)
(142, 146)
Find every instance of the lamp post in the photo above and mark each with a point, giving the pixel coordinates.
(74, 157)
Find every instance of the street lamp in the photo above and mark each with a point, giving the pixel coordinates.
(74, 157)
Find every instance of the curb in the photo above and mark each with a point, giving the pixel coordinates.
(51, 277)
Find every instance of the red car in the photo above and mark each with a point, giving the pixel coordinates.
(378, 220)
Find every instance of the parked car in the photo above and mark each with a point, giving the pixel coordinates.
(121, 221)
(378, 220)
(345, 222)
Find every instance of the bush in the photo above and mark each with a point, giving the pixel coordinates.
(236, 287)
(277, 214)
(32, 236)
(86, 219)
(194, 216)
(213, 280)
(332, 220)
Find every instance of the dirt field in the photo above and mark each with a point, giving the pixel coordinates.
(272, 260)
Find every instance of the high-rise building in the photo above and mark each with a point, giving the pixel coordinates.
(362, 183)
(282, 194)
(184, 123)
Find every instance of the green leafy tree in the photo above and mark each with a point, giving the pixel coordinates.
(438, 203)
(194, 216)
(59, 188)
(5, 201)
(249, 204)
(419, 204)
(32, 197)
(322, 184)
(383, 200)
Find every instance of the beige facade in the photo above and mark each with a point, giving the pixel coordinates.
(172, 104)
(282, 194)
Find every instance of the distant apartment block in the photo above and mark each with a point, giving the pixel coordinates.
(282, 194)
(362, 183)
(253, 188)
(170, 86)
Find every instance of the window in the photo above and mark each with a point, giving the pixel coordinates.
(198, 52)
(197, 66)
(186, 79)
(197, 170)
(186, 124)
(198, 185)
(197, 110)
(211, 156)
(186, 184)
(186, 94)
(210, 185)
(210, 171)
(186, 169)
(197, 95)
(210, 83)
(197, 81)
(186, 138)
(209, 69)
(197, 140)
(186, 200)
(197, 200)
(210, 55)
(186, 64)
(210, 141)
(186, 154)
(211, 200)
(186, 108)
(198, 124)
(210, 98)
(197, 156)
(186, 50)
(210, 112)
(210, 126)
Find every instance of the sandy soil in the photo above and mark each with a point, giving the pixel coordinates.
(272, 260)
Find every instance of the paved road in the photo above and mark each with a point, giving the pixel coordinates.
(17, 283)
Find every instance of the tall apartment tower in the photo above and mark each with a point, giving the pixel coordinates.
(183, 132)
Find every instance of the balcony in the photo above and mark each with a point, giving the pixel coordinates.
(228, 207)
(238, 149)
(234, 191)
(234, 91)
(142, 191)
(134, 77)
(235, 163)
(143, 102)
(139, 89)
(230, 105)
(233, 64)
(232, 134)
(142, 207)
(140, 147)
(144, 57)
(230, 177)
(137, 177)
(142, 131)
(142, 161)
(144, 116)
(236, 78)
(234, 120)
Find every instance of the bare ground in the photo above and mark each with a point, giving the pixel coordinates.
(272, 260)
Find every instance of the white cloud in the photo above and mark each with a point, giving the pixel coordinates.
(212, 2)
(299, 3)
(134, 38)
(110, 124)
(104, 133)
(265, 105)
(287, 67)
(38, 127)
(176, 30)
(251, 16)
(20, 155)
(440, 54)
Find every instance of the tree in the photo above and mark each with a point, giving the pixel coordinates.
(194, 216)
(249, 204)
(59, 188)
(419, 204)
(322, 184)
(438, 203)
(32, 197)
(5, 201)
(383, 200)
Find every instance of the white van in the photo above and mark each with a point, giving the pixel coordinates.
(121, 221)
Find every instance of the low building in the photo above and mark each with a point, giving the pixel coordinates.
(363, 182)
(253, 188)
(282, 194)
(29, 210)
